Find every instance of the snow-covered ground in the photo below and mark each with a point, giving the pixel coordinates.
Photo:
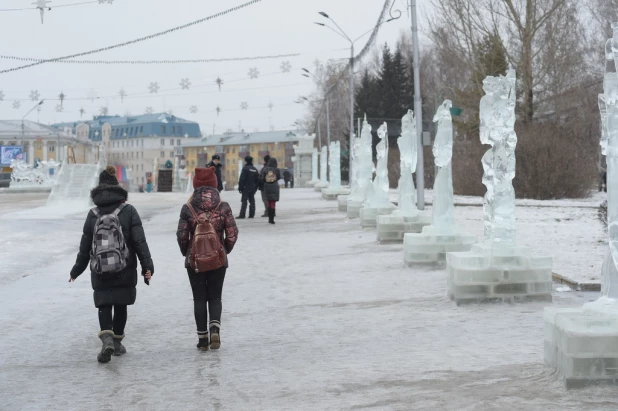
(317, 316)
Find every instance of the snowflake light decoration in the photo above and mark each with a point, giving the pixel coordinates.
(154, 87)
(92, 95)
(185, 84)
(270, 106)
(219, 82)
(59, 108)
(1, 95)
(34, 95)
(193, 109)
(61, 96)
(81, 112)
(254, 73)
(218, 110)
(122, 94)
(104, 111)
(149, 110)
(42, 5)
(286, 66)
(16, 104)
(244, 105)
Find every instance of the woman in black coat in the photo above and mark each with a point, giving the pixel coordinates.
(119, 291)
(270, 177)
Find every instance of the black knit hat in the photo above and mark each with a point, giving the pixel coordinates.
(249, 160)
(108, 176)
(266, 158)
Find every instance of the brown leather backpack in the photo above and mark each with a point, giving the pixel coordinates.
(207, 251)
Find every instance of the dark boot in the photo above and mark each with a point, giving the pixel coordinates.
(215, 335)
(118, 347)
(271, 216)
(203, 343)
(251, 211)
(243, 209)
(240, 217)
(107, 338)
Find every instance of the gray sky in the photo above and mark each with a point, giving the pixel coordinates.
(268, 28)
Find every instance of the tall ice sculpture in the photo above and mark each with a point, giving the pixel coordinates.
(323, 170)
(377, 201)
(406, 218)
(314, 169)
(334, 190)
(496, 268)
(363, 169)
(442, 236)
(582, 343)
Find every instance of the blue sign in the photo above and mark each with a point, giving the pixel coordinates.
(10, 153)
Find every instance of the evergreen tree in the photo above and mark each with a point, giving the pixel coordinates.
(366, 96)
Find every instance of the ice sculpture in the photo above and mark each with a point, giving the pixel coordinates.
(363, 170)
(407, 160)
(378, 194)
(323, 170)
(314, 167)
(335, 165)
(443, 205)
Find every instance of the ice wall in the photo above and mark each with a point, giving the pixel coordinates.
(324, 166)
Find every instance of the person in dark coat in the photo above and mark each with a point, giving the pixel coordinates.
(287, 177)
(217, 165)
(207, 286)
(271, 189)
(248, 186)
(261, 186)
(118, 292)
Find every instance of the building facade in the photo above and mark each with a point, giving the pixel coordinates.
(234, 147)
(140, 144)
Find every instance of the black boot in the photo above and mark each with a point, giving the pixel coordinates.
(240, 217)
(202, 342)
(118, 347)
(271, 216)
(215, 335)
(107, 350)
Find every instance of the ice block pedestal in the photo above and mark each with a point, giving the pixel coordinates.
(392, 228)
(319, 186)
(369, 215)
(498, 274)
(333, 194)
(582, 343)
(342, 203)
(354, 208)
(431, 245)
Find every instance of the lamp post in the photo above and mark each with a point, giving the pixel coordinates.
(23, 126)
(341, 33)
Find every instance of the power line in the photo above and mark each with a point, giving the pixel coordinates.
(223, 13)
(50, 7)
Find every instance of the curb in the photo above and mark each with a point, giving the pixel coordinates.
(576, 285)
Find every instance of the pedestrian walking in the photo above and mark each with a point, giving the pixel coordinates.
(261, 186)
(215, 162)
(270, 180)
(206, 235)
(287, 177)
(248, 186)
(113, 240)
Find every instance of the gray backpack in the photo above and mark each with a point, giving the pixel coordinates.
(109, 254)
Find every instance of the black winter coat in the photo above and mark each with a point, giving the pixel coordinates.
(271, 190)
(249, 180)
(120, 290)
(218, 174)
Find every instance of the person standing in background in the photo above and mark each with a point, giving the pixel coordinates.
(261, 186)
(248, 186)
(217, 165)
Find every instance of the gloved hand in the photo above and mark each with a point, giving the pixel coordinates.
(240, 191)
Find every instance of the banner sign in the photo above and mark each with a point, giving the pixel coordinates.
(10, 153)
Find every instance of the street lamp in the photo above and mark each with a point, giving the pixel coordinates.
(23, 127)
(341, 33)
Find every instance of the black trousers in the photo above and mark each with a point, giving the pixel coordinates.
(250, 197)
(115, 322)
(207, 289)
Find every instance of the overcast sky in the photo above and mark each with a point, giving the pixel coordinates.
(271, 27)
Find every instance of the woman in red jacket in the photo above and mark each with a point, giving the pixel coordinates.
(207, 286)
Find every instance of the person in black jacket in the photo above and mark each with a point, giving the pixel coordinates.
(261, 186)
(248, 186)
(215, 163)
(269, 178)
(117, 292)
(287, 177)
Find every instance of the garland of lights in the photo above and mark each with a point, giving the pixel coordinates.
(221, 60)
(127, 43)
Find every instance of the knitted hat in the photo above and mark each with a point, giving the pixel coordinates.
(205, 177)
(249, 160)
(108, 176)
(266, 158)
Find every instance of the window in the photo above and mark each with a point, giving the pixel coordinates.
(180, 130)
(141, 130)
(132, 155)
(162, 154)
(162, 130)
(233, 149)
(51, 148)
(178, 142)
(172, 142)
(171, 154)
(173, 130)
(142, 154)
(142, 142)
(163, 140)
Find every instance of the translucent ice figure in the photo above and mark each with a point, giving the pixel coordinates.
(497, 113)
(314, 166)
(363, 165)
(407, 159)
(443, 204)
(324, 166)
(604, 131)
(378, 196)
(334, 162)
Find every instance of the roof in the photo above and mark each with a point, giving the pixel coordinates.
(13, 127)
(237, 139)
(98, 121)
